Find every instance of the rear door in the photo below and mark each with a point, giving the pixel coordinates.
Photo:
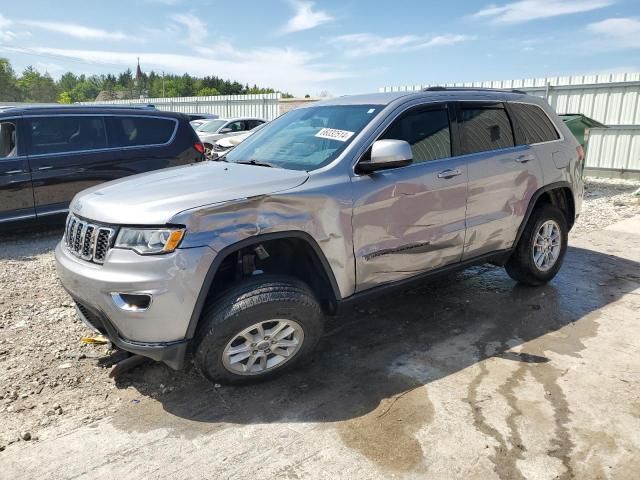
(502, 177)
(16, 194)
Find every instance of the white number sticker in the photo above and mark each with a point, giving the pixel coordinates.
(334, 134)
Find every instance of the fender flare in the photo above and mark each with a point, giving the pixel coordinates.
(234, 247)
(534, 199)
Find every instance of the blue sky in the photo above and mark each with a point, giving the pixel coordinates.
(338, 46)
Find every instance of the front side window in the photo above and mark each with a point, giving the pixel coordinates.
(8, 143)
(139, 131)
(306, 138)
(484, 129)
(237, 126)
(427, 131)
(534, 123)
(59, 134)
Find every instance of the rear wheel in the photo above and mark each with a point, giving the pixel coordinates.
(258, 330)
(541, 249)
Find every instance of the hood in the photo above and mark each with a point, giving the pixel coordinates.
(154, 198)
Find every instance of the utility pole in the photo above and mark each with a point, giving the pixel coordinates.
(162, 84)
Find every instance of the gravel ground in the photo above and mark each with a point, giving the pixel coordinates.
(51, 383)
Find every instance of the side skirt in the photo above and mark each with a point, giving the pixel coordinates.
(496, 258)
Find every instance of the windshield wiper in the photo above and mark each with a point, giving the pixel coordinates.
(256, 162)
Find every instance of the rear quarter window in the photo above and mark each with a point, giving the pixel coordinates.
(535, 125)
(139, 131)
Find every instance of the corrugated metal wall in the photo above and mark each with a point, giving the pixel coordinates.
(259, 105)
(616, 148)
(612, 99)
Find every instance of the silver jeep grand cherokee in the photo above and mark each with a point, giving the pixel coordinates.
(235, 262)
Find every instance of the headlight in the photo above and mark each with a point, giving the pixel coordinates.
(148, 241)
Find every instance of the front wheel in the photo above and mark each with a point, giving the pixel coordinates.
(541, 249)
(259, 329)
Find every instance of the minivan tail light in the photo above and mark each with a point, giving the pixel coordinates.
(580, 151)
(199, 147)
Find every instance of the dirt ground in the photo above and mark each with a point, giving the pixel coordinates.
(468, 377)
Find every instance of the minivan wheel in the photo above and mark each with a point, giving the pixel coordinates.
(259, 329)
(541, 249)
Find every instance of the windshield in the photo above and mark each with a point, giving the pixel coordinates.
(211, 126)
(306, 138)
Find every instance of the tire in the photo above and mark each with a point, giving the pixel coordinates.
(262, 300)
(521, 266)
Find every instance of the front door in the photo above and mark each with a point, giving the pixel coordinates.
(410, 220)
(16, 194)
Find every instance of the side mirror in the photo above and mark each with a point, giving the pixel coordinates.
(225, 130)
(387, 154)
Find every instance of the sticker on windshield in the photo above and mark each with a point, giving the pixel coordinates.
(334, 134)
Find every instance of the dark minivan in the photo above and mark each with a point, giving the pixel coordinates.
(50, 153)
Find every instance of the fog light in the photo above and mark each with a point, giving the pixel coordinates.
(132, 302)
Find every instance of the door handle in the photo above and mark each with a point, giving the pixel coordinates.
(14, 172)
(449, 173)
(46, 167)
(524, 158)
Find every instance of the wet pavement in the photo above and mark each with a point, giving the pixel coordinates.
(469, 376)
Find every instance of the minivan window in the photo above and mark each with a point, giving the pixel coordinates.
(534, 123)
(427, 132)
(8, 145)
(57, 134)
(139, 131)
(305, 138)
(485, 128)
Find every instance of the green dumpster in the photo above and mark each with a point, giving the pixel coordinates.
(579, 125)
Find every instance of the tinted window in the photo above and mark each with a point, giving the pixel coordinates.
(427, 132)
(65, 134)
(485, 128)
(251, 124)
(236, 126)
(8, 147)
(534, 123)
(137, 131)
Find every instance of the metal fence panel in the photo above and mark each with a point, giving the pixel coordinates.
(615, 148)
(264, 106)
(612, 99)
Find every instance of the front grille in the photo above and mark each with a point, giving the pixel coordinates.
(86, 240)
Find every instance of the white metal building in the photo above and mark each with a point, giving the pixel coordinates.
(264, 105)
(612, 99)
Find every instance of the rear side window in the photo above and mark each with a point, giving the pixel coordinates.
(139, 131)
(484, 129)
(534, 123)
(427, 131)
(59, 134)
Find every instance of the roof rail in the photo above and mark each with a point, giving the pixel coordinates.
(471, 89)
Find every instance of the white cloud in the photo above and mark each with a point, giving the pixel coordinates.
(282, 68)
(77, 31)
(196, 28)
(527, 10)
(305, 17)
(6, 35)
(366, 44)
(617, 32)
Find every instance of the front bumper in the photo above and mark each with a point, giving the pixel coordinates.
(173, 281)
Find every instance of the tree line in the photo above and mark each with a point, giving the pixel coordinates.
(33, 86)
